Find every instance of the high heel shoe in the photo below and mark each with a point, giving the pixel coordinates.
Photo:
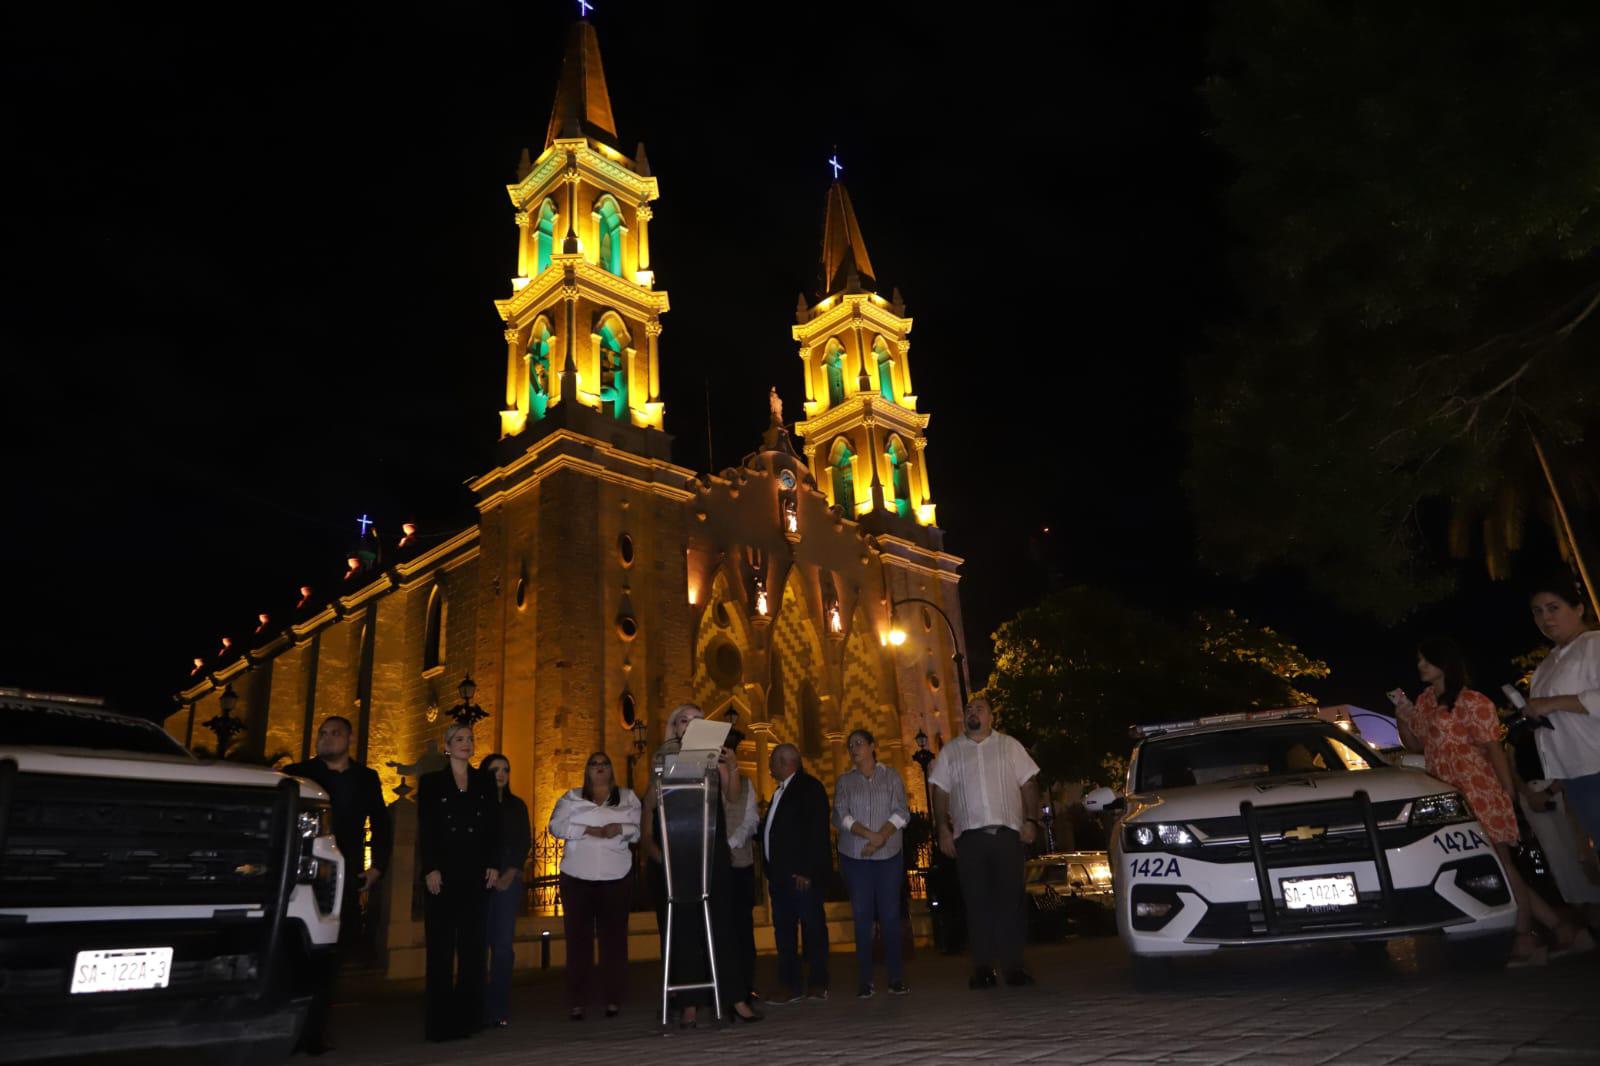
(734, 1017)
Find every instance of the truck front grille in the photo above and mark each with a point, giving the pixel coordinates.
(83, 842)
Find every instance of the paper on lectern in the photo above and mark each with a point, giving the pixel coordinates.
(705, 735)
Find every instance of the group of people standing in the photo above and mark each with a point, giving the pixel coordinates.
(1556, 782)
(474, 838)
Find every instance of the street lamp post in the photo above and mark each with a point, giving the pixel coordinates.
(466, 712)
(225, 725)
(638, 747)
(897, 636)
(923, 758)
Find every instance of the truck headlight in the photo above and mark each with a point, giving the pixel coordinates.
(1158, 835)
(313, 823)
(1441, 809)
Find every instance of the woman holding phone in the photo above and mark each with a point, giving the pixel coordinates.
(1458, 731)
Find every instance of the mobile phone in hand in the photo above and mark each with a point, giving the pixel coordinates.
(1397, 696)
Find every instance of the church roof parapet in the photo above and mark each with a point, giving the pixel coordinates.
(836, 311)
(627, 296)
(564, 449)
(604, 168)
(880, 412)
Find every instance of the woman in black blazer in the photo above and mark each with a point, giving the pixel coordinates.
(458, 830)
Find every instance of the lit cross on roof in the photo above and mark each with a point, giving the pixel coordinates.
(584, 7)
(834, 163)
(364, 522)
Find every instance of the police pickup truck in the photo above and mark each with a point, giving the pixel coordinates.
(1276, 827)
(150, 900)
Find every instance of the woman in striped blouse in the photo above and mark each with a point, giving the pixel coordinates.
(869, 807)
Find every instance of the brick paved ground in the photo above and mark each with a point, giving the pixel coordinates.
(1300, 1006)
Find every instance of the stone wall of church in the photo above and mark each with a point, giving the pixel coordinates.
(600, 620)
(409, 705)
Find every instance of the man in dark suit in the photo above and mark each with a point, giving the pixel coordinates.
(799, 860)
(356, 796)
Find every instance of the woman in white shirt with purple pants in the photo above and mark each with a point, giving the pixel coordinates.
(598, 821)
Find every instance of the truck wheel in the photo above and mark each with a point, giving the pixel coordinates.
(1151, 973)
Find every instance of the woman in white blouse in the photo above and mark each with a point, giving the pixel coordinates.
(1565, 694)
(598, 821)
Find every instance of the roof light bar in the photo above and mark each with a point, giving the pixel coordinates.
(1139, 732)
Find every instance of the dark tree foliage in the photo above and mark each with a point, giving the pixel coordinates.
(1414, 201)
(1072, 674)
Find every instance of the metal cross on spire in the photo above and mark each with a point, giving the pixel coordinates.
(584, 7)
(835, 164)
(364, 522)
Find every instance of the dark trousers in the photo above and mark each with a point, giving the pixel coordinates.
(990, 865)
(795, 909)
(875, 897)
(741, 908)
(325, 970)
(501, 928)
(454, 921)
(655, 875)
(590, 907)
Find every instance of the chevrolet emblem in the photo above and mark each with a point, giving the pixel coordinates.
(1303, 833)
(250, 869)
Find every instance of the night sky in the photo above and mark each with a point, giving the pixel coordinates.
(249, 269)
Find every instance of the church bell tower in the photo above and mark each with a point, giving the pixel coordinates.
(584, 318)
(864, 435)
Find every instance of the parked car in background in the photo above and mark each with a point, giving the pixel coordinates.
(1069, 892)
(1275, 827)
(149, 900)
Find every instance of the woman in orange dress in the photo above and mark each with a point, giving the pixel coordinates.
(1458, 731)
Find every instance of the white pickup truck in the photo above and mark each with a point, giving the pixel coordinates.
(1276, 827)
(150, 900)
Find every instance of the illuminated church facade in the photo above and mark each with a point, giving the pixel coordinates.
(602, 584)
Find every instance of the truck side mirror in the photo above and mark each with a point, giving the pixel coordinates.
(1101, 799)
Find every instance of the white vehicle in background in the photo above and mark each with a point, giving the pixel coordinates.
(149, 900)
(1274, 827)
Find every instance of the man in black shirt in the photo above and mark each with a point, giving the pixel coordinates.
(356, 796)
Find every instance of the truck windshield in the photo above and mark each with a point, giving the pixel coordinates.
(1263, 751)
(34, 724)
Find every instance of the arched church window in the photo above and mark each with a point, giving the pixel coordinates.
(880, 352)
(898, 463)
(540, 340)
(841, 462)
(833, 363)
(433, 646)
(610, 224)
(544, 231)
(614, 340)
